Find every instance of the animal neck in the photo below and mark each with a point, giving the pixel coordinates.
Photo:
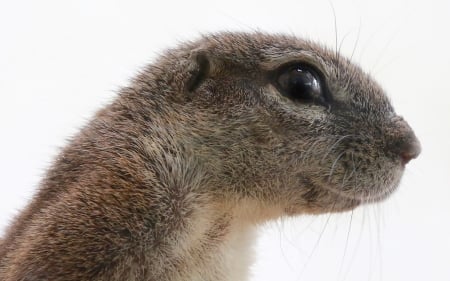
(216, 244)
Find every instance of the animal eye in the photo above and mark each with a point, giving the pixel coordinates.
(301, 83)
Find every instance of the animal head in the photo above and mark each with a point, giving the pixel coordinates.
(284, 121)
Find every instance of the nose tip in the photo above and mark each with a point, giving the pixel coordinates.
(404, 143)
(409, 151)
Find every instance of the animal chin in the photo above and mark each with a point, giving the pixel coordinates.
(368, 190)
(380, 195)
(382, 192)
(366, 196)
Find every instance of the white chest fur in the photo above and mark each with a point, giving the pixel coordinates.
(226, 256)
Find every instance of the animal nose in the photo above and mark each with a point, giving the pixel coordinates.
(404, 144)
(409, 150)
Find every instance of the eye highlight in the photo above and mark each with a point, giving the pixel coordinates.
(301, 83)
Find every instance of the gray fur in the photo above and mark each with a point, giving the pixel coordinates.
(168, 181)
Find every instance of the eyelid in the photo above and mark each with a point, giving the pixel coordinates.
(296, 57)
(297, 64)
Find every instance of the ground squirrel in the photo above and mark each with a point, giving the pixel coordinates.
(169, 181)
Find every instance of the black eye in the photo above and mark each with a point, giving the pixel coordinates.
(301, 83)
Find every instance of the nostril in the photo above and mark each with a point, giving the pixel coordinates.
(406, 157)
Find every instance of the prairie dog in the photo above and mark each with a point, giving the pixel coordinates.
(169, 181)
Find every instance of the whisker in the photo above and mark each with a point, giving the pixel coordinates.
(342, 42)
(383, 52)
(346, 245)
(354, 165)
(358, 243)
(357, 40)
(308, 152)
(317, 243)
(281, 225)
(380, 258)
(334, 165)
(370, 247)
(334, 145)
(335, 38)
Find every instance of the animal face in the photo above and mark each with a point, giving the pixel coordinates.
(294, 124)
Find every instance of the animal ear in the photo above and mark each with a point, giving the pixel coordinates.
(198, 69)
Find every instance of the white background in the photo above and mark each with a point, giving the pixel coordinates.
(62, 60)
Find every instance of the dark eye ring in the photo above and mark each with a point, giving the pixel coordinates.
(301, 83)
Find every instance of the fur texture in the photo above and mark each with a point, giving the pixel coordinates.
(169, 181)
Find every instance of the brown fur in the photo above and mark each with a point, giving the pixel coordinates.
(167, 182)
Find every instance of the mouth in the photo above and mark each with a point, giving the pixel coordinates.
(368, 195)
(368, 187)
